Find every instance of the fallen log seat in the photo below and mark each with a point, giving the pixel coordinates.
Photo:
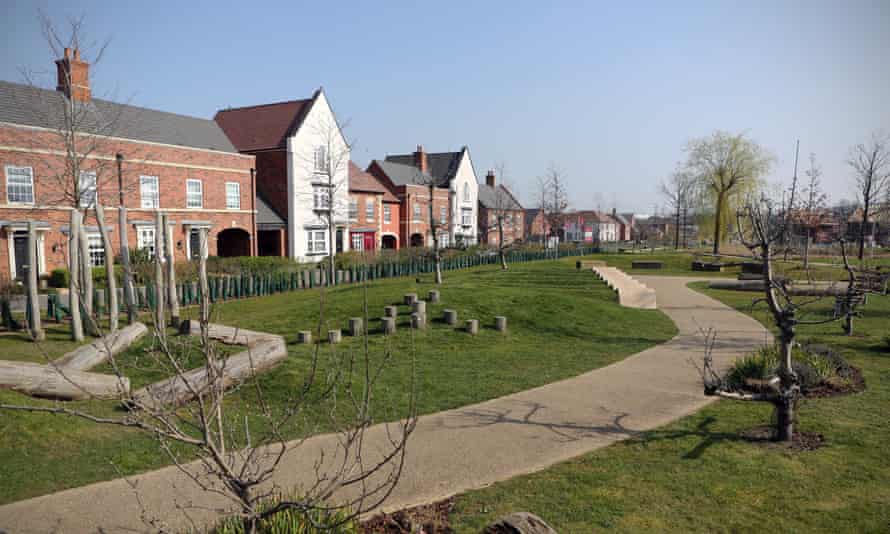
(712, 267)
(178, 390)
(225, 334)
(642, 264)
(86, 357)
(50, 382)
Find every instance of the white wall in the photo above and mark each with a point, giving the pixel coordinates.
(318, 128)
(465, 175)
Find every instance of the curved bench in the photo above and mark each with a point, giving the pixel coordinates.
(631, 293)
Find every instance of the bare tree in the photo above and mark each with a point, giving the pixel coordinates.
(871, 172)
(812, 212)
(554, 198)
(727, 166)
(501, 212)
(679, 191)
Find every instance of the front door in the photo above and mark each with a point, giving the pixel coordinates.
(369, 241)
(194, 244)
(20, 244)
(339, 240)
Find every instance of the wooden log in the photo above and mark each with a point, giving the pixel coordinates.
(234, 370)
(334, 336)
(74, 276)
(410, 298)
(391, 311)
(159, 315)
(86, 357)
(419, 306)
(356, 325)
(304, 337)
(229, 335)
(388, 324)
(49, 382)
(111, 279)
(124, 251)
(170, 281)
(450, 317)
(86, 282)
(473, 326)
(434, 296)
(37, 333)
(418, 321)
(500, 323)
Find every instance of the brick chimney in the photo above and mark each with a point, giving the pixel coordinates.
(489, 178)
(73, 76)
(420, 160)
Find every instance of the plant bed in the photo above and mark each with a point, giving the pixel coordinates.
(800, 441)
(429, 519)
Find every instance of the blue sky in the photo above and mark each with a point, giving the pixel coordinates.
(610, 93)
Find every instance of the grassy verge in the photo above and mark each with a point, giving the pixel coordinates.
(696, 475)
(562, 322)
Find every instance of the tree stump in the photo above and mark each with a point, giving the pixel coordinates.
(304, 337)
(391, 311)
(450, 317)
(433, 296)
(388, 324)
(519, 523)
(419, 306)
(356, 326)
(410, 299)
(334, 336)
(418, 321)
(473, 326)
(500, 323)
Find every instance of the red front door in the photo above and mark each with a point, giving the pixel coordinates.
(369, 240)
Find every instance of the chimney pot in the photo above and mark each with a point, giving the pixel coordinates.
(489, 178)
(67, 52)
(77, 54)
(420, 159)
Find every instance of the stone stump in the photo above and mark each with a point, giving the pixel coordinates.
(418, 321)
(433, 296)
(410, 299)
(304, 337)
(388, 324)
(500, 323)
(450, 317)
(419, 306)
(519, 523)
(391, 311)
(473, 326)
(356, 326)
(334, 336)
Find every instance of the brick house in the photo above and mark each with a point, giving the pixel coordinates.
(454, 172)
(536, 227)
(373, 212)
(183, 166)
(409, 185)
(496, 201)
(302, 180)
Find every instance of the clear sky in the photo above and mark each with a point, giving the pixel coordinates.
(610, 93)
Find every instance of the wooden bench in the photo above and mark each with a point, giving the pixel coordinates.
(646, 264)
(712, 267)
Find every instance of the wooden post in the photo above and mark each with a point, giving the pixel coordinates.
(410, 298)
(434, 296)
(500, 323)
(388, 324)
(419, 306)
(356, 326)
(334, 336)
(86, 276)
(113, 311)
(450, 317)
(304, 337)
(74, 276)
(159, 316)
(473, 326)
(418, 321)
(390, 311)
(172, 300)
(37, 333)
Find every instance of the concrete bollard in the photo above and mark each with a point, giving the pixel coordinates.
(355, 326)
(418, 321)
(450, 317)
(334, 336)
(500, 323)
(410, 298)
(433, 296)
(391, 311)
(389, 325)
(304, 337)
(419, 307)
(473, 326)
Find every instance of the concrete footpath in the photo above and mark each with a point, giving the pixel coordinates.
(456, 450)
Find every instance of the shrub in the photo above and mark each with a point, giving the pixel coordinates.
(292, 522)
(814, 364)
(59, 278)
(758, 365)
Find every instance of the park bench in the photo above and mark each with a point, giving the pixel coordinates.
(713, 267)
(646, 264)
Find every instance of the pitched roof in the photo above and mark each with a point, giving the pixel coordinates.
(590, 216)
(266, 215)
(400, 174)
(360, 180)
(265, 126)
(498, 197)
(44, 108)
(621, 218)
(441, 165)
(531, 214)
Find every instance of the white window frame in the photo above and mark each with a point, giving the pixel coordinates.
(87, 200)
(145, 239)
(466, 192)
(443, 240)
(370, 209)
(387, 213)
(353, 209)
(320, 159)
(443, 215)
(321, 197)
(233, 196)
(358, 241)
(418, 214)
(189, 195)
(96, 249)
(149, 199)
(317, 241)
(29, 186)
(466, 217)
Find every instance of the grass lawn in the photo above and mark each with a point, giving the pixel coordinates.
(562, 322)
(696, 475)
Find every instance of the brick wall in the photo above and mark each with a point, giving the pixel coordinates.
(514, 226)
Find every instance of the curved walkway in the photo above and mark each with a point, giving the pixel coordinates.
(464, 448)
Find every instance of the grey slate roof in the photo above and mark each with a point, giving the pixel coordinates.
(402, 174)
(33, 106)
(488, 197)
(442, 165)
(265, 215)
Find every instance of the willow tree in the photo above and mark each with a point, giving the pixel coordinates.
(727, 167)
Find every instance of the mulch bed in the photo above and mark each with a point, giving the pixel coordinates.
(427, 519)
(853, 382)
(800, 442)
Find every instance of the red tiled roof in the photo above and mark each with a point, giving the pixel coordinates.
(265, 126)
(360, 180)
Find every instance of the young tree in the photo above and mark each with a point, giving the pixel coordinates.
(679, 191)
(726, 166)
(871, 173)
(554, 199)
(812, 211)
(502, 209)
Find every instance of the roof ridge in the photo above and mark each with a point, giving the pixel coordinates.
(254, 106)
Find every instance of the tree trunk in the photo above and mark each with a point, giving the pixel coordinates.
(74, 276)
(718, 216)
(862, 227)
(113, 311)
(501, 250)
(172, 300)
(806, 251)
(160, 320)
(677, 229)
(37, 333)
(47, 381)
(787, 387)
(437, 259)
(129, 297)
(86, 276)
